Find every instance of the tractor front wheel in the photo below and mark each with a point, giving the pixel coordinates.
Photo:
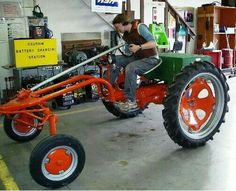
(196, 104)
(56, 161)
(21, 127)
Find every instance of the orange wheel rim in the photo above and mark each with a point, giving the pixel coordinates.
(21, 127)
(191, 103)
(58, 161)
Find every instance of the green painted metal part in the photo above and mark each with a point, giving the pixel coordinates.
(159, 34)
(172, 64)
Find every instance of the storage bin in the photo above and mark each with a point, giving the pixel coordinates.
(214, 54)
(227, 54)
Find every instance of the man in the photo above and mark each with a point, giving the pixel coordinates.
(145, 56)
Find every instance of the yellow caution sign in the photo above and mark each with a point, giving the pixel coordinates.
(35, 52)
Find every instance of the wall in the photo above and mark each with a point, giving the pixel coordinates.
(195, 4)
(73, 16)
(11, 27)
(175, 3)
(192, 3)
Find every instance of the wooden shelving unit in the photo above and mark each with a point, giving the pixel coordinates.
(208, 18)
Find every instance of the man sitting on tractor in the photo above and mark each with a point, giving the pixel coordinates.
(144, 56)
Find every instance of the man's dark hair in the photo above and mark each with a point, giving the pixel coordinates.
(121, 18)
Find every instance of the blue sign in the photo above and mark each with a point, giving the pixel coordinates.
(108, 3)
(106, 6)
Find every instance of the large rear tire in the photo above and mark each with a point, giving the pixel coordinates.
(56, 161)
(196, 103)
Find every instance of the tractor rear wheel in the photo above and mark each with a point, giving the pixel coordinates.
(196, 104)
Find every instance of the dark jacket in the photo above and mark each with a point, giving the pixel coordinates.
(133, 37)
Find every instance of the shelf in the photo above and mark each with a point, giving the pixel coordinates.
(223, 33)
(210, 28)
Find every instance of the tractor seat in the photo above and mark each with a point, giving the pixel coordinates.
(152, 73)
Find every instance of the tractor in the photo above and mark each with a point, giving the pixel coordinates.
(193, 91)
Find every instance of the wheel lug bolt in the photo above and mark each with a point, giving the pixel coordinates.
(46, 160)
(61, 171)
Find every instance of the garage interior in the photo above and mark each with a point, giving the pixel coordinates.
(122, 152)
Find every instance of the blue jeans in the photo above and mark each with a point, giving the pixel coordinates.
(133, 67)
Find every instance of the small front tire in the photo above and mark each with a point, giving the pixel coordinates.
(56, 161)
(19, 131)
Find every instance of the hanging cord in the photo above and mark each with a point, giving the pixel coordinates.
(34, 2)
(216, 2)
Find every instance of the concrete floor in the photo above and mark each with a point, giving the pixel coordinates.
(133, 153)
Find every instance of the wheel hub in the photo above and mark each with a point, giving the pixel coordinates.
(195, 109)
(58, 161)
(191, 103)
(20, 122)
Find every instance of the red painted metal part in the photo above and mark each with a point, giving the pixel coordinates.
(154, 93)
(29, 103)
(58, 160)
(26, 98)
(191, 103)
(23, 123)
(145, 94)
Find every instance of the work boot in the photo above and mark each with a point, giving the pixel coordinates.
(129, 105)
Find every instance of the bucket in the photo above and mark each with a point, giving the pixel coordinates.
(227, 55)
(215, 55)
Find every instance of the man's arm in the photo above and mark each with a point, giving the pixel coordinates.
(147, 35)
